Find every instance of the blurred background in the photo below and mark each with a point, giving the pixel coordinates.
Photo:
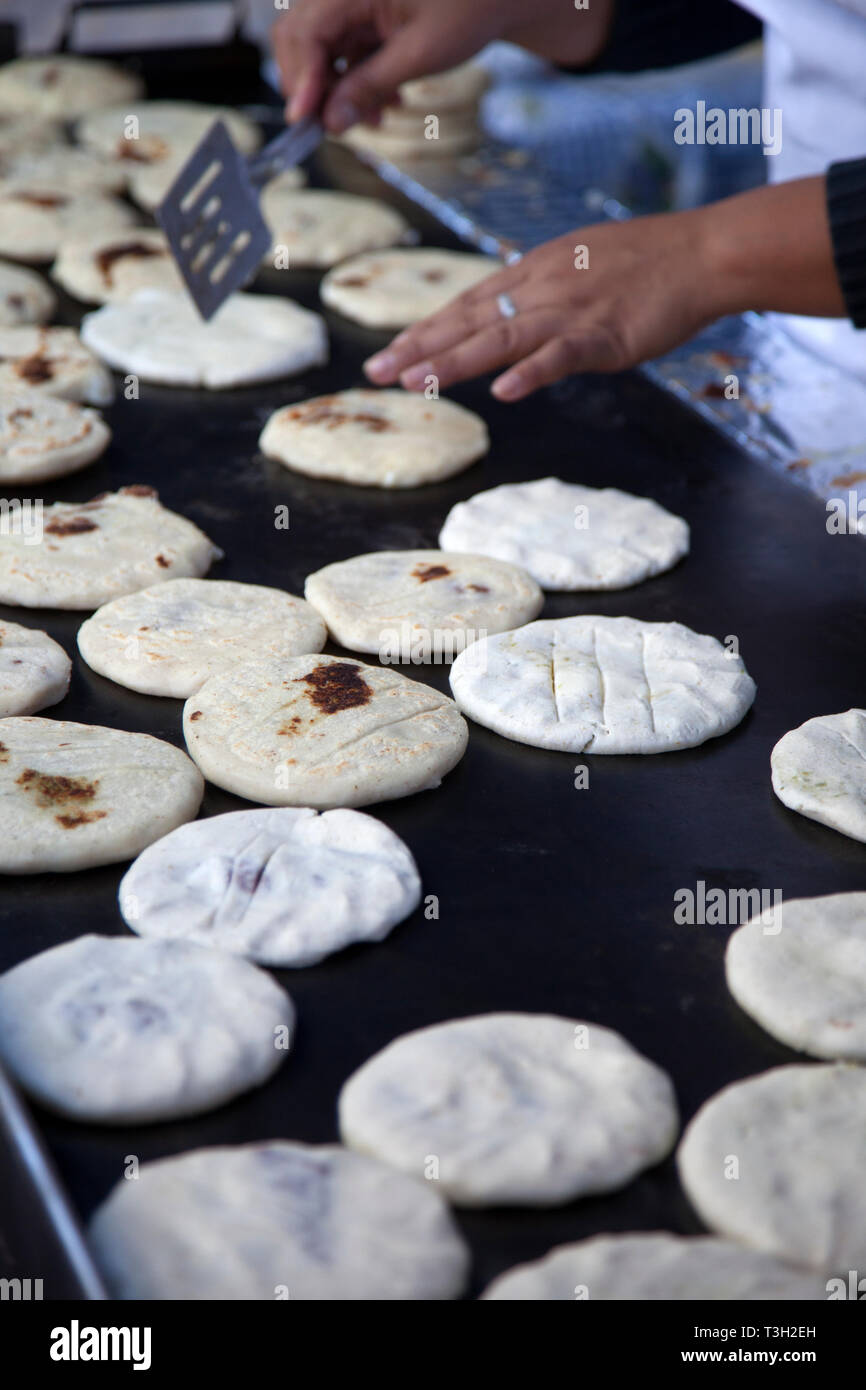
(612, 130)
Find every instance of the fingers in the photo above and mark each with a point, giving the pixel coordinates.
(420, 46)
(505, 340)
(307, 92)
(306, 43)
(385, 45)
(433, 335)
(468, 314)
(593, 350)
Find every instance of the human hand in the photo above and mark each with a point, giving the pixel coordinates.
(383, 43)
(599, 299)
(641, 288)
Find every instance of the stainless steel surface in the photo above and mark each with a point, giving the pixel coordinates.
(801, 415)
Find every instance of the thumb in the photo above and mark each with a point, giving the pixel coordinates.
(413, 51)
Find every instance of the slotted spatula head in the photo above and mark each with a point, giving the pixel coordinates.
(213, 223)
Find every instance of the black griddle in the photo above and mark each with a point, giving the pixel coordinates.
(550, 898)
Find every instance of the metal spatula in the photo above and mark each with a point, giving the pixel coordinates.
(211, 215)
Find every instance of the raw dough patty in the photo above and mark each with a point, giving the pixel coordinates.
(650, 1267)
(376, 602)
(45, 437)
(34, 670)
(529, 1109)
(820, 771)
(567, 536)
(99, 269)
(320, 731)
(376, 438)
(804, 978)
(91, 552)
(777, 1162)
(284, 887)
(121, 1031)
(76, 795)
(167, 640)
(319, 227)
(389, 289)
(25, 297)
(277, 1220)
(53, 362)
(161, 338)
(603, 685)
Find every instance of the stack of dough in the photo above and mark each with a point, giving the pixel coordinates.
(437, 116)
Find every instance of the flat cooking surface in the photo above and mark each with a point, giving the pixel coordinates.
(551, 898)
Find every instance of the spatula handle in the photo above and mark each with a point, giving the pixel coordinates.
(289, 148)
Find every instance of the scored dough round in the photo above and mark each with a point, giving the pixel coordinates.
(162, 338)
(320, 731)
(34, 670)
(819, 770)
(91, 552)
(777, 1162)
(520, 1108)
(53, 362)
(284, 887)
(45, 437)
(114, 1030)
(320, 227)
(390, 289)
(25, 297)
(567, 536)
(64, 85)
(389, 600)
(275, 1220)
(803, 976)
(168, 639)
(36, 219)
(651, 1266)
(77, 795)
(103, 268)
(603, 685)
(376, 438)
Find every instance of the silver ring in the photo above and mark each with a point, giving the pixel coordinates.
(506, 306)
